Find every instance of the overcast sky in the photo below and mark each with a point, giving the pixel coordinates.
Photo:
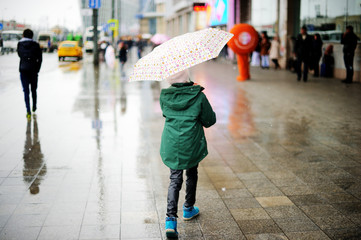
(42, 13)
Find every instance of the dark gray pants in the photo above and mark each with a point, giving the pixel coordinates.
(175, 185)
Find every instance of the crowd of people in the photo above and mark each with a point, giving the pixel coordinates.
(306, 53)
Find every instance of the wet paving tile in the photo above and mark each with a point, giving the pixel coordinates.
(333, 222)
(346, 233)
(225, 237)
(308, 199)
(236, 203)
(136, 231)
(259, 226)
(285, 212)
(249, 214)
(234, 193)
(296, 224)
(320, 210)
(311, 235)
(270, 236)
(59, 232)
(139, 217)
(17, 233)
(228, 227)
(274, 201)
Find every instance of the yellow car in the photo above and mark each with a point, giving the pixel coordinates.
(70, 49)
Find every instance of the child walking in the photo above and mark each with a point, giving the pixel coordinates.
(186, 111)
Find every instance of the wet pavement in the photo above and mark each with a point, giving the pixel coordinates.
(284, 156)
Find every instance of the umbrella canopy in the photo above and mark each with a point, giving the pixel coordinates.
(159, 38)
(180, 53)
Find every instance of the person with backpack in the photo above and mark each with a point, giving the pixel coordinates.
(30, 63)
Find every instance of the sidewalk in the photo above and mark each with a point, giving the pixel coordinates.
(284, 158)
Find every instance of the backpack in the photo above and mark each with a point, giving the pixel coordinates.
(29, 57)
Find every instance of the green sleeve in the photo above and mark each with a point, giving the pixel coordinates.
(207, 116)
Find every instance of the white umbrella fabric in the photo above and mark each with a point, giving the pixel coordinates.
(180, 53)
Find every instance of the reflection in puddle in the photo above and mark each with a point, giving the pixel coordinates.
(241, 123)
(34, 167)
(70, 66)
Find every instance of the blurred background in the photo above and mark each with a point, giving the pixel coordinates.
(138, 21)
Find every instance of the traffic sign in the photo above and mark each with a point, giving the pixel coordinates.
(94, 3)
(1, 26)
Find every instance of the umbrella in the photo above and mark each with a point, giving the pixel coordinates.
(180, 53)
(159, 38)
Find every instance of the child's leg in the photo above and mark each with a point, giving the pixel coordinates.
(175, 185)
(191, 186)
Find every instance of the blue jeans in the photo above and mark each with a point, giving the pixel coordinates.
(29, 79)
(176, 180)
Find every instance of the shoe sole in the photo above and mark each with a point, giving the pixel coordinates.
(170, 233)
(187, 219)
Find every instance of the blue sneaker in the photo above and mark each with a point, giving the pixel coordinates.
(190, 213)
(171, 227)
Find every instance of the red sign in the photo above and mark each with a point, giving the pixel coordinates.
(199, 7)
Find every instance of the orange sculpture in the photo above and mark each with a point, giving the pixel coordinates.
(243, 42)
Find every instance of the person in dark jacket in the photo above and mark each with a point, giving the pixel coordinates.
(123, 52)
(303, 51)
(183, 145)
(30, 63)
(316, 54)
(349, 41)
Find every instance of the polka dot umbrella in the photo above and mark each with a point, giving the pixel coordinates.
(180, 53)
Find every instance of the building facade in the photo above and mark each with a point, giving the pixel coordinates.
(124, 11)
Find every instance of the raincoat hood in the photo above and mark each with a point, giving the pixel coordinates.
(180, 95)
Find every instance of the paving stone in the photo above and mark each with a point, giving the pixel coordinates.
(285, 212)
(320, 210)
(59, 232)
(295, 224)
(274, 201)
(348, 207)
(140, 230)
(333, 222)
(99, 232)
(258, 226)
(236, 203)
(267, 236)
(234, 193)
(249, 214)
(309, 199)
(228, 227)
(346, 233)
(311, 235)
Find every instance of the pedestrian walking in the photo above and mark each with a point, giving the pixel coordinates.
(140, 48)
(303, 51)
(328, 62)
(183, 145)
(349, 41)
(275, 51)
(30, 63)
(265, 47)
(123, 52)
(316, 54)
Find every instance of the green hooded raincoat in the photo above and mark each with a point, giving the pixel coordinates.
(186, 111)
